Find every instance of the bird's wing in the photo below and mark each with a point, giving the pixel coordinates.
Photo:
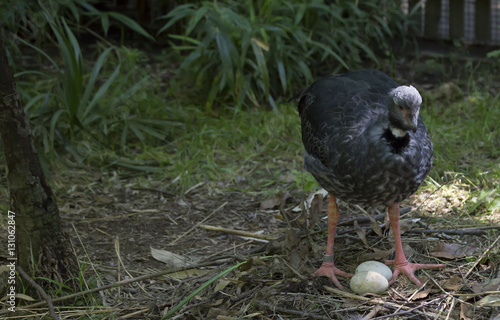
(337, 109)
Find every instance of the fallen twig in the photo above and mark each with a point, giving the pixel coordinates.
(383, 302)
(199, 223)
(481, 258)
(116, 284)
(238, 232)
(307, 315)
(470, 231)
(44, 295)
(374, 312)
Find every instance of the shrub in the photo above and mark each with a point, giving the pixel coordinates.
(251, 52)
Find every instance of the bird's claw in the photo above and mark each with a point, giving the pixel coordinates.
(329, 270)
(409, 269)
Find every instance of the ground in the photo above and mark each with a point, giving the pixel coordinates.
(125, 224)
(115, 222)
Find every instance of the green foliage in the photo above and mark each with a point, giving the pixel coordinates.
(95, 99)
(77, 98)
(32, 19)
(251, 52)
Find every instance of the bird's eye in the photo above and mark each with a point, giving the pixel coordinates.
(400, 107)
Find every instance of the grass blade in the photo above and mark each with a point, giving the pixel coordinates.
(203, 286)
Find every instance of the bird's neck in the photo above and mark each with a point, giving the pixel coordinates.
(397, 139)
(398, 133)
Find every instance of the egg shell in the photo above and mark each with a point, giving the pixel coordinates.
(377, 267)
(368, 282)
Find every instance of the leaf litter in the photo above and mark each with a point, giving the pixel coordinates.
(161, 232)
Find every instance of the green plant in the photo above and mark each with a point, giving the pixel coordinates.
(88, 98)
(32, 19)
(252, 52)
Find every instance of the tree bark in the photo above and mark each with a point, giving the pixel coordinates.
(38, 233)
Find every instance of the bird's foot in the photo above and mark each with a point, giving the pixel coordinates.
(409, 269)
(329, 270)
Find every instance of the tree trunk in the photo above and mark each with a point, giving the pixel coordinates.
(38, 233)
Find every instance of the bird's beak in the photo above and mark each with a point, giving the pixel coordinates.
(412, 121)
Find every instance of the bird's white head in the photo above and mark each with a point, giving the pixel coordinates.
(404, 107)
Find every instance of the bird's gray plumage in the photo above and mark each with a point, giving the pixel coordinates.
(347, 131)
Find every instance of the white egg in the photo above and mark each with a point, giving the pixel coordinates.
(377, 267)
(368, 282)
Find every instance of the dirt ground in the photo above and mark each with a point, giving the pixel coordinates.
(114, 225)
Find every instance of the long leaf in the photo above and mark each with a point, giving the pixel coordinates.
(203, 286)
(40, 51)
(262, 65)
(175, 15)
(89, 88)
(200, 13)
(53, 124)
(100, 93)
(131, 24)
(225, 56)
(282, 74)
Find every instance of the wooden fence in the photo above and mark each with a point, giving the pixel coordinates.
(473, 21)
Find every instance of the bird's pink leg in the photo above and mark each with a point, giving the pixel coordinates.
(328, 269)
(401, 265)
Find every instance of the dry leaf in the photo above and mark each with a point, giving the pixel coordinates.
(261, 44)
(466, 312)
(172, 259)
(24, 297)
(490, 285)
(221, 285)
(247, 265)
(375, 226)
(421, 294)
(453, 283)
(492, 300)
(452, 250)
(278, 199)
(497, 317)
(405, 225)
(292, 239)
(360, 232)
(294, 258)
(316, 208)
(215, 312)
(377, 254)
(253, 315)
(270, 203)
(307, 202)
(183, 274)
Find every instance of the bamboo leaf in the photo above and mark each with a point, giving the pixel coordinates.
(262, 66)
(100, 93)
(225, 57)
(130, 23)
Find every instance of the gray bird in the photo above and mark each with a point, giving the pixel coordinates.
(366, 144)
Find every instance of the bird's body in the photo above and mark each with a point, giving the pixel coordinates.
(350, 149)
(365, 143)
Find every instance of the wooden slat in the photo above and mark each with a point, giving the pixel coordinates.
(457, 19)
(483, 21)
(432, 17)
